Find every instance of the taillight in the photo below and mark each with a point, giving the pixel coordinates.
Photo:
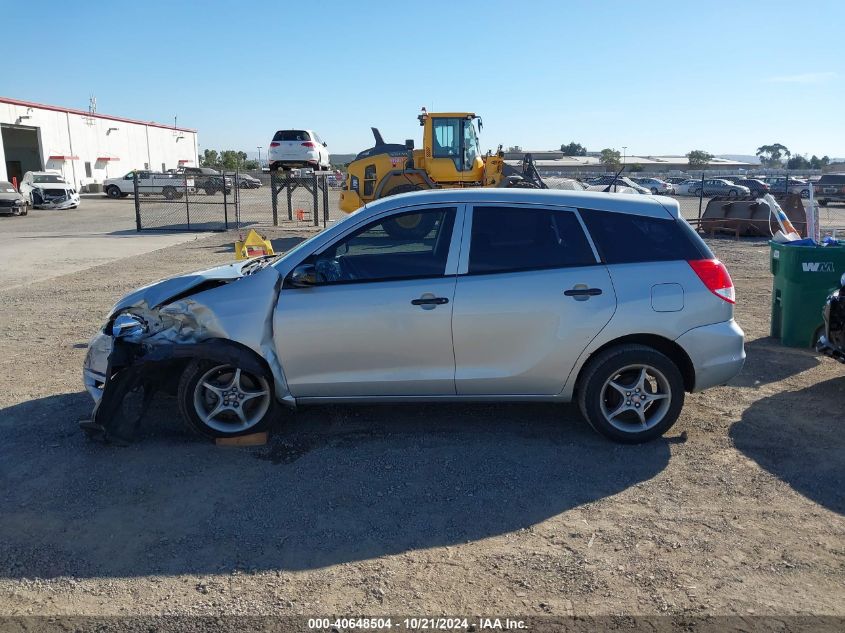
(274, 144)
(715, 276)
(309, 144)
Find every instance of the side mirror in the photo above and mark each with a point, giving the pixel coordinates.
(303, 276)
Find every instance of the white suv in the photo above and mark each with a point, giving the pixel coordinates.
(297, 148)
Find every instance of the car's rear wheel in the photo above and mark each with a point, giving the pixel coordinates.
(805, 193)
(169, 193)
(654, 190)
(631, 393)
(222, 400)
(733, 193)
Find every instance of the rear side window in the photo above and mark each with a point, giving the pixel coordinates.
(506, 239)
(623, 238)
(832, 179)
(292, 135)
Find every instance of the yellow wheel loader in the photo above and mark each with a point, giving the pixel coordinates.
(450, 158)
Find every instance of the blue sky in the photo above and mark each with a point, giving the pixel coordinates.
(657, 77)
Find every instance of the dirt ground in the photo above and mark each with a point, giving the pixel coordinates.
(417, 510)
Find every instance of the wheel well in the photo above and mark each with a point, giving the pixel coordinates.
(663, 345)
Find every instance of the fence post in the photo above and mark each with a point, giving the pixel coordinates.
(274, 195)
(316, 213)
(701, 196)
(325, 200)
(290, 202)
(137, 202)
(225, 200)
(187, 204)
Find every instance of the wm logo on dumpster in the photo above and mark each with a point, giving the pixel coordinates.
(817, 267)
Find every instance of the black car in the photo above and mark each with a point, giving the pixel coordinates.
(830, 188)
(832, 343)
(209, 180)
(758, 187)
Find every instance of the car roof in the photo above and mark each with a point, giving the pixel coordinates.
(637, 204)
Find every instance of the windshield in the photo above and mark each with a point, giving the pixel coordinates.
(48, 178)
(6, 187)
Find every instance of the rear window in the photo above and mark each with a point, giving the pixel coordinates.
(832, 179)
(623, 238)
(506, 239)
(292, 135)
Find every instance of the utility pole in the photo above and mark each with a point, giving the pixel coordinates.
(259, 157)
(624, 152)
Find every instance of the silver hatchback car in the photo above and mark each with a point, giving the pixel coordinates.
(453, 295)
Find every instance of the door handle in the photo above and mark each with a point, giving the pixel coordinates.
(429, 301)
(581, 292)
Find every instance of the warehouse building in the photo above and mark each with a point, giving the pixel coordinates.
(85, 146)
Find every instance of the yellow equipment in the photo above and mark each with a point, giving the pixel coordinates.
(450, 158)
(253, 246)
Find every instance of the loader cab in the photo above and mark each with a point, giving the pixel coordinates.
(452, 152)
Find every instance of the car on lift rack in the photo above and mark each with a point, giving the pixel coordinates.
(48, 190)
(612, 301)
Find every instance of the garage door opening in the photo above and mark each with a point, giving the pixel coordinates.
(22, 151)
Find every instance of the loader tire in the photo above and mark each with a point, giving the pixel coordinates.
(409, 226)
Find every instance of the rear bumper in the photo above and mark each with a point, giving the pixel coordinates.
(717, 352)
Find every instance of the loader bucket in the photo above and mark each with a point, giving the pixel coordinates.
(751, 217)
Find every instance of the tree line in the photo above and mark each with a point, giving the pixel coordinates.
(774, 156)
(228, 160)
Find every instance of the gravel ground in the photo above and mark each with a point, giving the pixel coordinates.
(416, 509)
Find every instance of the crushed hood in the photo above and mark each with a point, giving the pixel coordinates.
(162, 292)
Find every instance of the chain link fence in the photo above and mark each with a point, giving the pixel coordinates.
(231, 200)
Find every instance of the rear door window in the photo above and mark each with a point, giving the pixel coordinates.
(623, 238)
(292, 135)
(508, 239)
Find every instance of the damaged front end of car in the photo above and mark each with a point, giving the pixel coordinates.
(832, 342)
(222, 315)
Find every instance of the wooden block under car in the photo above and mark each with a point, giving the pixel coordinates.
(253, 439)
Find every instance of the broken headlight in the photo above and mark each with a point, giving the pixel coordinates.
(129, 327)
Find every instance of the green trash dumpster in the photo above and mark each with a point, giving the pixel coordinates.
(804, 276)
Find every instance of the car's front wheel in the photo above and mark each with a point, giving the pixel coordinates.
(631, 393)
(113, 192)
(221, 400)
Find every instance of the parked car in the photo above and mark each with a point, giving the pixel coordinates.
(209, 180)
(676, 180)
(428, 297)
(656, 186)
(170, 185)
(245, 181)
(830, 188)
(297, 148)
(11, 202)
(755, 186)
(832, 342)
(614, 189)
(780, 184)
(48, 190)
(620, 181)
(720, 187)
(686, 187)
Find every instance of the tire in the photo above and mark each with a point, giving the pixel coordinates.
(113, 192)
(695, 192)
(210, 191)
(733, 193)
(169, 193)
(623, 365)
(36, 200)
(805, 193)
(241, 415)
(411, 226)
(823, 202)
(654, 191)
